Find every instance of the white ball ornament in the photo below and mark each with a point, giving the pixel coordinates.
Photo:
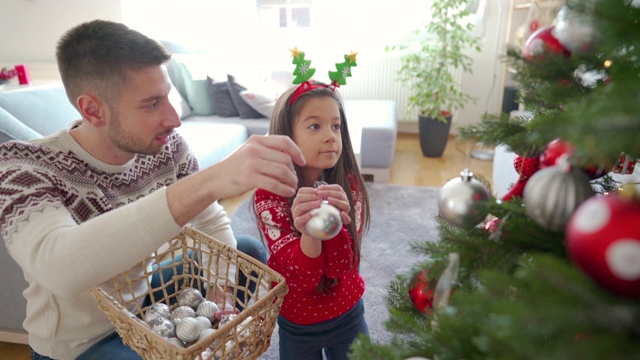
(203, 322)
(461, 199)
(206, 332)
(188, 329)
(175, 341)
(157, 311)
(208, 309)
(325, 223)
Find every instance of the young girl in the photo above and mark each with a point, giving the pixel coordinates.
(324, 308)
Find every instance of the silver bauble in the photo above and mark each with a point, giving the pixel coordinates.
(163, 327)
(175, 341)
(190, 297)
(459, 199)
(157, 311)
(180, 313)
(553, 193)
(188, 329)
(325, 223)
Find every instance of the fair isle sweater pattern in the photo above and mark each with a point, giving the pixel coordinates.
(34, 177)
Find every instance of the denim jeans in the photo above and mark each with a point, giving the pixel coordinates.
(111, 347)
(334, 336)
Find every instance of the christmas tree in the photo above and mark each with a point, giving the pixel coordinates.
(553, 271)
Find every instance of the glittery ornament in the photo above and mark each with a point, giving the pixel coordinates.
(227, 352)
(325, 223)
(225, 319)
(157, 311)
(163, 327)
(175, 341)
(603, 239)
(188, 329)
(460, 198)
(208, 309)
(420, 293)
(554, 193)
(180, 313)
(525, 167)
(190, 297)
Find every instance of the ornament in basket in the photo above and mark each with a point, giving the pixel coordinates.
(245, 335)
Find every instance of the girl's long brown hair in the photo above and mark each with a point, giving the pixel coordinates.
(282, 123)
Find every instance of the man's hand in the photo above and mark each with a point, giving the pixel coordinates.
(261, 162)
(264, 162)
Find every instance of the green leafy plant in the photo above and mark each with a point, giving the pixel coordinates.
(432, 54)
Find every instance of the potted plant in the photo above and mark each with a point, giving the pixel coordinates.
(429, 59)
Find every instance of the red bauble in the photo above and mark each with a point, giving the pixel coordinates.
(553, 151)
(492, 225)
(541, 42)
(603, 239)
(525, 167)
(421, 293)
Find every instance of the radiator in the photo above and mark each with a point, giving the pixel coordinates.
(377, 80)
(43, 71)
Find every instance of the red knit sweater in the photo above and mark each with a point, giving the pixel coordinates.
(303, 304)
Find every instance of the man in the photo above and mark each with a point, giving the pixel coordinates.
(93, 200)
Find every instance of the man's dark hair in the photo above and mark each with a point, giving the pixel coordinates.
(97, 57)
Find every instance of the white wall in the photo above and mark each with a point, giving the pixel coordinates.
(33, 27)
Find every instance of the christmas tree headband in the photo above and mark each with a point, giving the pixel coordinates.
(304, 72)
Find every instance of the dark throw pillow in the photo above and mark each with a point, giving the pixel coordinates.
(245, 110)
(221, 98)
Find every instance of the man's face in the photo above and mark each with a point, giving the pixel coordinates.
(143, 118)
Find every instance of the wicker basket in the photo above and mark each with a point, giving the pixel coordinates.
(246, 336)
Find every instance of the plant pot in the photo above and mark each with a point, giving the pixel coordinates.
(434, 135)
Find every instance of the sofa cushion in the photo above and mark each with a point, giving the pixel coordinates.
(221, 98)
(245, 110)
(179, 103)
(45, 109)
(194, 89)
(211, 141)
(13, 129)
(262, 96)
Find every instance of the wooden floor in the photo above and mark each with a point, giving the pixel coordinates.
(410, 168)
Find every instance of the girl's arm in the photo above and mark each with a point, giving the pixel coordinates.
(284, 243)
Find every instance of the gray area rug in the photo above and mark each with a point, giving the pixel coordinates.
(399, 215)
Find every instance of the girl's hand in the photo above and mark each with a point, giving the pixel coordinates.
(306, 200)
(336, 196)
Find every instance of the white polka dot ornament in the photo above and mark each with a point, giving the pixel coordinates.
(603, 239)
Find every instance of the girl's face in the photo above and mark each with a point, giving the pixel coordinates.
(316, 131)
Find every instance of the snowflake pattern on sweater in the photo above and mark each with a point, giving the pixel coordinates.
(303, 304)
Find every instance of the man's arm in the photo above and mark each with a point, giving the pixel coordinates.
(261, 162)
